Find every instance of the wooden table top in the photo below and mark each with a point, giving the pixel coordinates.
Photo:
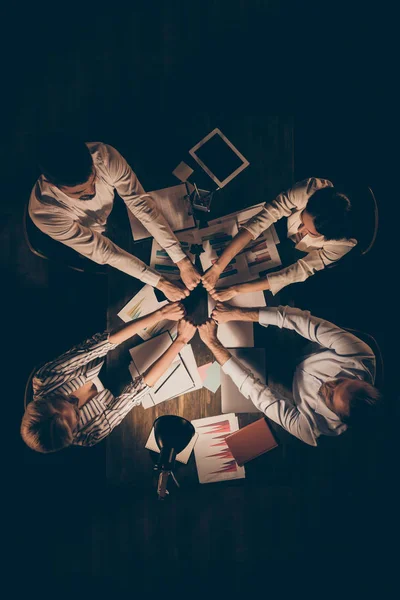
(128, 462)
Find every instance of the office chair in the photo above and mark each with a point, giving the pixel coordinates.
(45, 247)
(365, 222)
(373, 344)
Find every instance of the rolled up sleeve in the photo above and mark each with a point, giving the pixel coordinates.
(314, 261)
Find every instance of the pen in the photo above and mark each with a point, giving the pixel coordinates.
(197, 190)
(165, 381)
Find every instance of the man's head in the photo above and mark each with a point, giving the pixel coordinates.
(328, 213)
(66, 162)
(350, 399)
(49, 425)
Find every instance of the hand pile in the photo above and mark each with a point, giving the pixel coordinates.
(175, 311)
(191, 279)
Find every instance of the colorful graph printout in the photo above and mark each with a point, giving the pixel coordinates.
(214, 460)
(162, 263)
(214, 240)
(144, 303)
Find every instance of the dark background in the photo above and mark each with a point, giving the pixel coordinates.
(152, 79)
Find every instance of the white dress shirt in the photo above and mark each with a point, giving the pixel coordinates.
(80, 223)
(321, 252)
(335, 353)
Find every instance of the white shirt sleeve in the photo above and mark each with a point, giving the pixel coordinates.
(284, 204)
(306, 266)
(140, 203)
(92, 244)
(277, 408)
(324, 333)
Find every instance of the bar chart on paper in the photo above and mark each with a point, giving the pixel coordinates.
(214, 460)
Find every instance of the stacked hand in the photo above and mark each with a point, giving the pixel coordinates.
(222, 313)
(189, 274)
(186, 330)
(208, 332)
(210, 277)
(174, 311)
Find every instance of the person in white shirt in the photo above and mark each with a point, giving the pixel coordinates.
(319, 223)
(74, 196)
(332, 384)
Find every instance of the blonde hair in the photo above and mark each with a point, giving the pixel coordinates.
(44, 428)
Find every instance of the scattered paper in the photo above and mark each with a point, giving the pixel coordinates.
(213, 378)
(261, 254)
(174, 204)
(181, 377)
(182, 457)
(214, 460)
(182, 171)
(238, 334)
(144, 303)
(214, 240)
(163, 264)
(203, 370)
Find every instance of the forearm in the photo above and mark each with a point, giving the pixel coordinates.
(237, 244)
(118, 336)
(253, 286)
(221, 354)
(158, 369)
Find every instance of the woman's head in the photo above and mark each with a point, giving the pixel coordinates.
(49, 425)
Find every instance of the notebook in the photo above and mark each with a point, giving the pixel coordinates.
(175, 381)
(231, 399)
(251, 441)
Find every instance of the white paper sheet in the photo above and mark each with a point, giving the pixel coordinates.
(182, 457)
(261, 254)
(177, 382)
(214, 460)
(214, 240)
(173, 203)
(144, 303)
(238, 334)
(162, 263)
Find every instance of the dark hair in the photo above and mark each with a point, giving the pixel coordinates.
(64, 159)
(331, 211)
(364, 405)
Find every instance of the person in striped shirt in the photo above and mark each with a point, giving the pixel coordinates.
(71, 407)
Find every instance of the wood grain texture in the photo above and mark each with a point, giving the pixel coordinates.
(127, 460)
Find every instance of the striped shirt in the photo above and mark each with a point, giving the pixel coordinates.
(70, 371)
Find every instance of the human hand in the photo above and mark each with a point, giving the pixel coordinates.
(224, 294)
(210, 277)
(173, 291)
(174, 311)
(208, 332)
(223, 313)
(189, 274)
(186, 330)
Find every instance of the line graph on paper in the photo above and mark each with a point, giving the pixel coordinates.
(214, 460)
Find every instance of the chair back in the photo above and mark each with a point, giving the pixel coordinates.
(365, 216)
